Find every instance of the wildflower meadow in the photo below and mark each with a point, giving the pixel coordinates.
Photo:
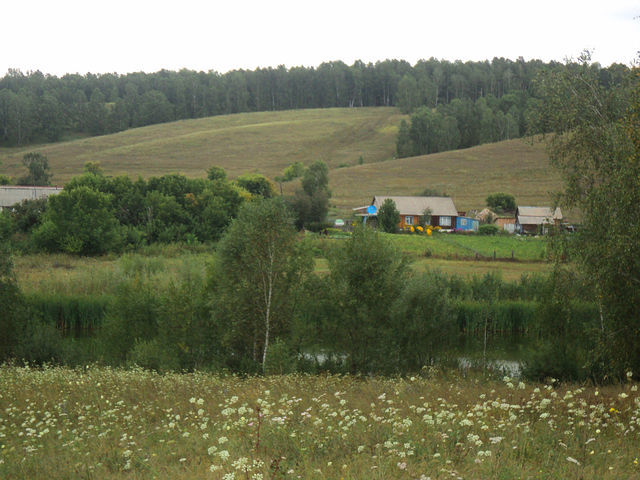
(98, 422)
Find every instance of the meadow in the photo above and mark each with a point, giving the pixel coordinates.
(262, 142)
(62, 274)
(95, 422)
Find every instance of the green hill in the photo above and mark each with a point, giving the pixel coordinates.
(266, 142)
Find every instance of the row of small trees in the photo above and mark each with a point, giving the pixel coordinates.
(96, 213)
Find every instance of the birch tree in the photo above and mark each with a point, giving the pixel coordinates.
(260, 265)
(596, 146)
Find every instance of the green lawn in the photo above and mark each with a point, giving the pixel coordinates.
(457, 246)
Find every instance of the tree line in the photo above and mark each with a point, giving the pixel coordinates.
(96, 213)
(35, 107)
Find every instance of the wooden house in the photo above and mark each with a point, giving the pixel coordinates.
(441, 212)
(536, 220)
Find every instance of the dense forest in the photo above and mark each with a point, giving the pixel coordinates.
(473, 101)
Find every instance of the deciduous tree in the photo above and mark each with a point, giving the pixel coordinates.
(260, 265)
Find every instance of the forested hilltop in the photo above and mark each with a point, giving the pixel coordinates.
(474, 102)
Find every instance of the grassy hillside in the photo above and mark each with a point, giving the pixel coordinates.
(515, 166)
(266, 142)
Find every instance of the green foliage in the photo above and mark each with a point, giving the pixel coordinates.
(5, 180)
(38, 167)
(216, 173)
(316, 178)
(260, 266)
(404, 148)
(501, 202)
(79, 221)
(311, 203)
(186, 327)
(131, 318)
(93, 168)
(431, 132)
(280, 359)
(293, 171)
(490, 100)
(423, 323)
(28, 214)
(75, 315)
(488, 229)
(596, 146)
(388, 216)
(256, 184)
(367, 275)
(6, 227)
(567, 334)
(10, 305)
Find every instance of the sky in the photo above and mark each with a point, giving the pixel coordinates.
(73, 36)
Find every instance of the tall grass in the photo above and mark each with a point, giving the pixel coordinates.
(75, 315)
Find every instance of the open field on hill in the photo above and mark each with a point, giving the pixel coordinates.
(518, 167)
(108, 423)
(264, 142)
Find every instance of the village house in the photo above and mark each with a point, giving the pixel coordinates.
(434, 211)
(536, 220)
(11, 195)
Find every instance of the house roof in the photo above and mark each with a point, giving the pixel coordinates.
(439, 206)
(537, 215)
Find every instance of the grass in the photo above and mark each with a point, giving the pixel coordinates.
(114, 424)
(267, 142)
(264, 142)
(510, 271)
(468, 246)
(71, 275)
(518, 167)
(454, 254)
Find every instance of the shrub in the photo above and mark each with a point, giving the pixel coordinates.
(488, 229)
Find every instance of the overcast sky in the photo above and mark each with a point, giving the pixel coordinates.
(69, 36)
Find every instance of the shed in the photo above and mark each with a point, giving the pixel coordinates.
(534, 220)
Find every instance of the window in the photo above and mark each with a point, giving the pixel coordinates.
(445, 221)
(463, 222)
(408, 220)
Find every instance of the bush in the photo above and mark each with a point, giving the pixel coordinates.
(501, 202)
(152, 355)
(488, 229)
(280, 359)
(423, 323)
(567, 331)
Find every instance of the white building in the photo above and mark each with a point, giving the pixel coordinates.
(11, 195)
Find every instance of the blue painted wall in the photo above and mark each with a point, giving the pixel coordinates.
(467, 224)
